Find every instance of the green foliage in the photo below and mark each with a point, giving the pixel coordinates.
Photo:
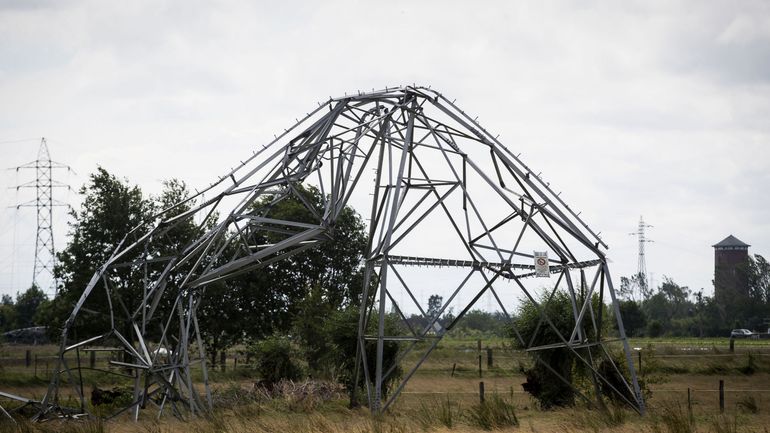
(27, 311)
(110, 209)
(543, 380)
(310, 284)
(276, 358)
(655, 328)
(434, 305)
(8, 317)
(634, 319)
(482, 323)
(330, 337)
(27, 305)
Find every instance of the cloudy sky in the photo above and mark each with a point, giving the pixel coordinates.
(659, 109)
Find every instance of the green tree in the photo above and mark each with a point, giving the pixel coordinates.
(27, 305)
(635, 288)
(435, 303)
(756, 309)
(634, 319)
(297, 291)
(8, 316)
(111, 207)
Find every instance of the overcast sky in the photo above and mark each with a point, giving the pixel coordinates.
(659, 109)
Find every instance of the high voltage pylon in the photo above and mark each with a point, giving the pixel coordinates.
(642, 265)
(45, 252)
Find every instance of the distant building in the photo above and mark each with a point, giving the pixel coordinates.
(731, 282)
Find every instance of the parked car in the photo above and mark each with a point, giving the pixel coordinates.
(740, 333)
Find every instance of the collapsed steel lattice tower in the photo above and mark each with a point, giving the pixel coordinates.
(442, 194)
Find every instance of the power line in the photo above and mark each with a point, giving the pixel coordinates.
(45, 252)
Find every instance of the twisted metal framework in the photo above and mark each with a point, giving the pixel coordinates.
(445, 195)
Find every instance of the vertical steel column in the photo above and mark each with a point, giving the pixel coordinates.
(384, 270)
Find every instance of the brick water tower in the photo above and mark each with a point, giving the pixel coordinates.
(731, 282)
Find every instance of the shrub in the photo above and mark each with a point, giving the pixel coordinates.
(276, 359)
(543, 382)
(330, 349)
(655, 329)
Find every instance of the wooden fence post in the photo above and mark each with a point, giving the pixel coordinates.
(27, 358)
(721, 395)
(490, 362)
(481, 392)
(223, 360)
(92, 359)
(453, 369)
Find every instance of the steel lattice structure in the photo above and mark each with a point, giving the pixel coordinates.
(442, 195)
(45, 252)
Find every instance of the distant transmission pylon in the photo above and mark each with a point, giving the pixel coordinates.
(642, 266)
(45, 253)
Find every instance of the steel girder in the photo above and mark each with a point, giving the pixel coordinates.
(445, 194)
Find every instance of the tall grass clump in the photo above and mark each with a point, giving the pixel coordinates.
(673, 419)
(493, 413)
(723, 424)
(436, 412)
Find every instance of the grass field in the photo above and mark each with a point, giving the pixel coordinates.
(443, 395)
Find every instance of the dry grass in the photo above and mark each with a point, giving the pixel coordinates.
(433, 401)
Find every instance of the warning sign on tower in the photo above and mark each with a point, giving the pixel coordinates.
(541, 264)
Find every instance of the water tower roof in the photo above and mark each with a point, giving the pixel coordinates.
(731, 241)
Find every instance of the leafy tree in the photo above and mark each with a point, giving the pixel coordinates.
(483, 322)
(634, 319)
(666, 309)
(635, 288)
(756, 308)
(27, 304)
(8, 317)
(435, 303)
(296, 291)
(111, 207)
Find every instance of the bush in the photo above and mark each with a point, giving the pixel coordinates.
(331, 347)
(549, 390)
(542, 380)
(276, 359)
(655, 329)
